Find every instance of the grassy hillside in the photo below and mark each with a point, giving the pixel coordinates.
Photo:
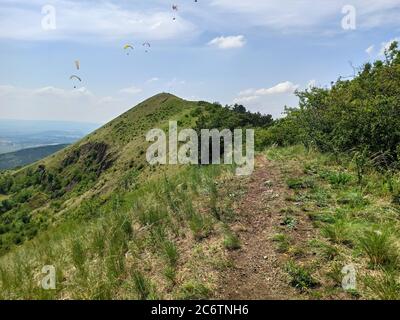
(348, 223)
(83, 175)
(113, 226)
(27, 156)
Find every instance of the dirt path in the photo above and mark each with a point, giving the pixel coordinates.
(257, 271)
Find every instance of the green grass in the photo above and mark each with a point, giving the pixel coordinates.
(74, 181)
(353, 223)
(300, 277)
(194, 290)
(102, 256)
(384, 287)
(282, 242)
(231, 240)
(379, 248)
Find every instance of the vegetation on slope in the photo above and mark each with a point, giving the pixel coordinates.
(162, 240)
(358, 116)
(357, 224)
(113, 226)
(350, 191)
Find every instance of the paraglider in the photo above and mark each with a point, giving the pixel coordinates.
(126, 47)
(74, 77)
(147, 46)
(174, 8)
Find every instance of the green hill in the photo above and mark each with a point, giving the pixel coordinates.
(27, 156)
(98, 202)
(109, 159)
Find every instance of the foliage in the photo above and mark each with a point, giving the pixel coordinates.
(360, 115)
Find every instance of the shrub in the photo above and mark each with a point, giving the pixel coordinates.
(194, 290)
(301, 277)
(339, 178)
(300, 183)
(283, 242)
(357, 116)
(384, 287)
(379, 248)
(337, 232)
(231, 241)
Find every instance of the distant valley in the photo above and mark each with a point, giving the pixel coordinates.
(22, 134)
(27, 156)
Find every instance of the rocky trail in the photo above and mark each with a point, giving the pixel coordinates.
(258, 269)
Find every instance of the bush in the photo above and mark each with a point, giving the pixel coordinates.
(384, 287)
(358, 116)
(231, 241)
(283, 242)
(337, 232)
(301, 277)
(194, 290)
(300, 183)
(379, 248)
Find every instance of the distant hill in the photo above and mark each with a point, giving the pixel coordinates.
(27, 156)
(23, 134)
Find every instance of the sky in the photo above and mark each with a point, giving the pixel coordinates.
(254, 52)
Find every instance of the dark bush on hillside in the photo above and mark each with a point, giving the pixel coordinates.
(286, 131)
(215, 116)
(231, 117)
(6, 183)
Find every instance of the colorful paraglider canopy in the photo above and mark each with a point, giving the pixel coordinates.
(128, 46)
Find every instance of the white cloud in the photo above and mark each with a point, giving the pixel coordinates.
(229, 42)
(280, 88)
(284, 87)
(370, 50)
(151, 80)
(269, 100)
(82, 20)
(131, 90)
(309, 15)
(51, 103)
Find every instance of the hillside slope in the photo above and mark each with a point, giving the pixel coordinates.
(114, 227)
(27, 156)
(110, 159)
